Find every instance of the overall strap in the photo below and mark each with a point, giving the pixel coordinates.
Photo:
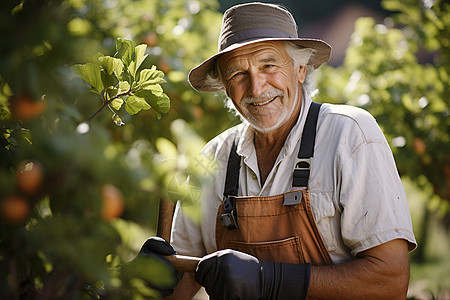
(232, 177)
(229, 217)
(303, 163)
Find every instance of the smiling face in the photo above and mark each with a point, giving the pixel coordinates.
(263, 84)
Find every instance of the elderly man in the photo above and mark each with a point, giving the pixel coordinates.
(308, 201)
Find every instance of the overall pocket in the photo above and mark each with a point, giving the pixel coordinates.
(287, 250)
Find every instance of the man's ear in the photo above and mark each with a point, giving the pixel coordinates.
(301, 74)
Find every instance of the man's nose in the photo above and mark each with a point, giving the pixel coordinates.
(257, 84)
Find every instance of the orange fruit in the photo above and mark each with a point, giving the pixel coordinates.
(23, 107)
(151, 39)
(197, 112)
(112, 202)
(164, 66)
(419, 146)
(29, 176)
(15, 209)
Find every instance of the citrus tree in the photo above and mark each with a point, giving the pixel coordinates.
(97, 122)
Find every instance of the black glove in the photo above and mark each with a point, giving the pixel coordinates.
(157, 247)
(229, 274)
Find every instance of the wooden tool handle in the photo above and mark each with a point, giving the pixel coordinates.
(166, 210)
(182, 263)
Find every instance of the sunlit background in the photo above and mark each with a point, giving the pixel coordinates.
(79, 190)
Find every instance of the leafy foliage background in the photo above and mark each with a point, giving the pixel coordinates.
(64, 246)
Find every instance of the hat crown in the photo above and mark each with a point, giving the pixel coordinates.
(250, 21)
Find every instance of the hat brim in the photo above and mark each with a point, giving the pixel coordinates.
(197, 76)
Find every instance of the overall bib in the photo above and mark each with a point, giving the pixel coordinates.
(279, 228)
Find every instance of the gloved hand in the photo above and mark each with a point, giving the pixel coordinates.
(157, 247)
(229, 274)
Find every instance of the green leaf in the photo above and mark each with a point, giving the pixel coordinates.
(108, 80)
(123, 86)
(126, 76)
(125, 50)
(135, 104)
(91, 74)
(151, 76)
(111, 65)
(160, 103)
(21, 137)
(155, 89)
(111, 92)
(116, 103)
(140, 55)
(137, 59)
(132, 69)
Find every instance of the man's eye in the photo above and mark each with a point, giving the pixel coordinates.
(237, 74)
(269, 66)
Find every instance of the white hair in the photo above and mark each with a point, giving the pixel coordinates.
(300, 57)
(214, 80)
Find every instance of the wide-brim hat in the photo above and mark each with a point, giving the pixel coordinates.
(254, 22)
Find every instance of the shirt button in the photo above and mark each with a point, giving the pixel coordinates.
(254, 176)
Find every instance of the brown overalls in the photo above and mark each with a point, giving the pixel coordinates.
(278, 228)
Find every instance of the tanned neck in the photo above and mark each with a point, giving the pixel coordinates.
(268, 145)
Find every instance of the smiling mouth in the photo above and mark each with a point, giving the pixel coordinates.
(263, 103)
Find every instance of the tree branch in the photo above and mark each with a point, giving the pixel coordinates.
(106, 103)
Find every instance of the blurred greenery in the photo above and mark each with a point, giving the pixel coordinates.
(79, 196)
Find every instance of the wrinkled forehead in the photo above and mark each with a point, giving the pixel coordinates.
(267, 51)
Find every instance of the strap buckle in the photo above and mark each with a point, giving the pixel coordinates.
(302, 171)
(229, 218)
(303, 164)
